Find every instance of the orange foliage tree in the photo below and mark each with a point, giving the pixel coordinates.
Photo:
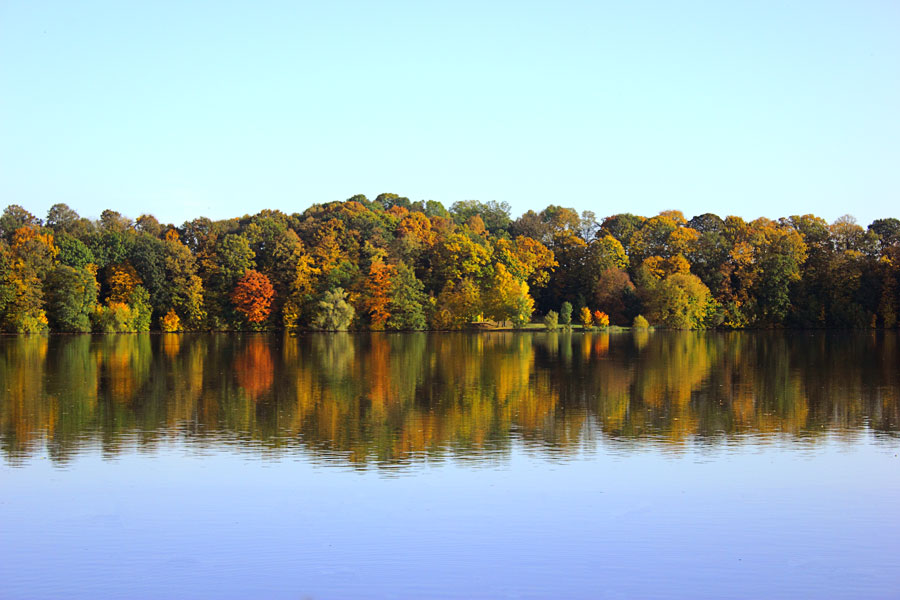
(377, 293)
(252, 296)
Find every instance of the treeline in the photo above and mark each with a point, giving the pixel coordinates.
(393, 264)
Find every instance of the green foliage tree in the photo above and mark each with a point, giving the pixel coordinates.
(71, 297)
(407, 301)
(565, 315)
(334, 313)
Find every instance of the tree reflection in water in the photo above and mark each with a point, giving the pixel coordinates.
(387, 399)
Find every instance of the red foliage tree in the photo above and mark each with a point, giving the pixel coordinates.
(252, 296)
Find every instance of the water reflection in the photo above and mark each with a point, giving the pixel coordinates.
(394, 398)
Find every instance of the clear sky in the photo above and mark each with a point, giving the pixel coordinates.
(183, 109)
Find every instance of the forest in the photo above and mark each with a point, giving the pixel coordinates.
(397, 265)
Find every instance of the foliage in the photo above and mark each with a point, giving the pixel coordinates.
(640, 322)
(252, 296)
(407, 265)
(551, 320)
(601, 319)
(71, 297)
(565, 315)
(170, 322)
(680, 301)
(334, 313)
(457, 304)
(124, 317)
(407, 305)
(507, 299)
(587, 319)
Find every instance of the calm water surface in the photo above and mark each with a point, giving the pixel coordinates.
(700, 465)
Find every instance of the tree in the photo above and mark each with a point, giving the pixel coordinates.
(6, 288)
(601, 319)
(587, 319)
(111, 220)
(15, 217)
(62, 219)
(122, 279)
(507, 298)
(301, 292)
(252, 296)
(779, 252)
(31, 257)
(186, 287)
(149, 224)
(71, 297)
(457, 256)
(376, 294)
(494, 215)
(334, 313)
(616, 295)
(407, 301)
(73, 252)
(622, 227)
(565, 315)
(680, 301)
(457, 304)
(131, 315)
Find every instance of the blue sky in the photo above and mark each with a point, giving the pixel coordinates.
(183, 109)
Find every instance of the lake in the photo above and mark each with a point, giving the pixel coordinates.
(494, 465)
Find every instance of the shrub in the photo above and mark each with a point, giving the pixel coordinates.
(170, 322)
(601, 319)
(640, 323)
(551, 320)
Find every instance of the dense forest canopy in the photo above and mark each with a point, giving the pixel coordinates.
(394, 264)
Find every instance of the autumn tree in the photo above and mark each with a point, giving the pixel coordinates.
(376, 294)
(300, 293)
(616, 295)
(457, 304)
(680, 301)
(506, 298)
(601, 319)
(252, 296)
(587, 319)
(31, 257)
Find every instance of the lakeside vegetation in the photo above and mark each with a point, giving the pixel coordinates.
(393, 264)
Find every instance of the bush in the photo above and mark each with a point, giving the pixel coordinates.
(640, 323)
(170, 322)
(601, 319)
(551, 320)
